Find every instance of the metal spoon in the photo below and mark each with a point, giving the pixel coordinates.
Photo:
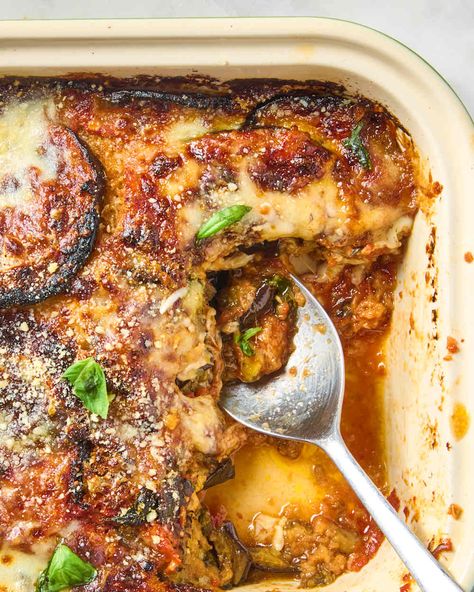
(307, 407)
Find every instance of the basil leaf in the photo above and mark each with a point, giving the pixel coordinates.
(242, 340)
(42, 581)
(222, 219)
(65, 570)
(88, 383)
(356, 146)
(281, 283)
(72, 373)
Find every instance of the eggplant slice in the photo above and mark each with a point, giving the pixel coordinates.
(319, 106)
(50, 187)
(232, 556)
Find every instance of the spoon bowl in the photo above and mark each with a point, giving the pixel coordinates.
(304, 402)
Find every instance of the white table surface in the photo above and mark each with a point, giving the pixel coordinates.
(442, 31)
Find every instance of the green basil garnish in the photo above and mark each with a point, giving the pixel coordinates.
(88, 383)
(222, 219)
(356, 146)
(281, 284)
(65, 570)
(242, 340)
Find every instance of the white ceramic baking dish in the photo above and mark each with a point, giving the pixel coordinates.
(429, 468)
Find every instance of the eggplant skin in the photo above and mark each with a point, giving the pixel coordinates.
(44, 263)
(167, 503)
(232, 556)
(192, 100)
(223, 472)
(83, 449)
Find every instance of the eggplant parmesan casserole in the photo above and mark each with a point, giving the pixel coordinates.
(147, 227)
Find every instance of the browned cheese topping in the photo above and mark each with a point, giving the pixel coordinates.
(150, 225)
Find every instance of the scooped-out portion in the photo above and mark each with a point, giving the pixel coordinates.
(147, 230)
(290, 506)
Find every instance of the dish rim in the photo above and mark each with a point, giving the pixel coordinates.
(29, 32)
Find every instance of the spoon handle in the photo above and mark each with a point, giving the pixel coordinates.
(429, 574)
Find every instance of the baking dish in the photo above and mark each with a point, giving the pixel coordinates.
(428, 465)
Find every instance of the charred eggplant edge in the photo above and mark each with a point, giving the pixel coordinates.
(75, 259)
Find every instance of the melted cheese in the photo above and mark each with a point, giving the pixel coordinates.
(19, 571)
(185, 130)
(201, 422)
(316, 210)
(24, 146)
